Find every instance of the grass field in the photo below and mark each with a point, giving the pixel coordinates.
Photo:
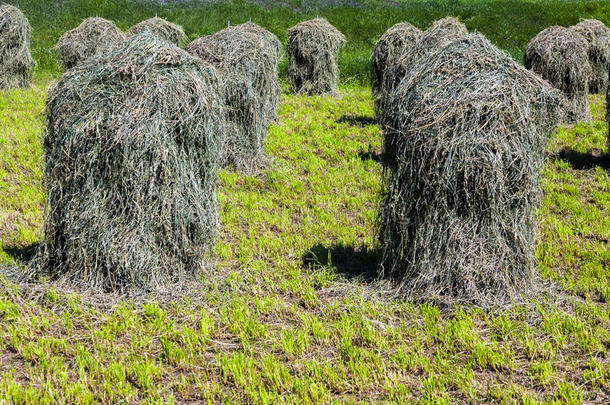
(291, 313)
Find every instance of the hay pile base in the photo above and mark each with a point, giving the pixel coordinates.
(161, 28)
(598, 37)
(246, 57)
(389, 49)
(131, 149)
(457, 221)
(16, 63)
(560, 56)
(439, 34)
(93, 35)
(312, 48)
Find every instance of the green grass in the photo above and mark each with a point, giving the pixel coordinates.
(284, 319)
(508, 23)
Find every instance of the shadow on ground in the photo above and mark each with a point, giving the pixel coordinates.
(371, 155)
(22, 253)
(345, 260)
(585, 161)
(357, 120)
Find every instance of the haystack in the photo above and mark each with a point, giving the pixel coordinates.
(16, 63)
(560, 55)
(312, 48)
(246, 57)
(161, 28)
(131, 147)
(439, 34)
(457, 221)
(389, 49)
(93, 35)
(598, 37)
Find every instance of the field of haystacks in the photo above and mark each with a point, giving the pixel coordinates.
(290, 308)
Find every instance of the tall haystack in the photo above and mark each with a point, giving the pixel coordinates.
(131, 147)
(93, 35)
(16, 63)
(598, 36)
(439, 34)
(389, 49)
(246, 57)
(312, 48)
(560, 55)
(457, 221)
(161, 28)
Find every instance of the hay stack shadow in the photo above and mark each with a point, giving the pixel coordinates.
(23, 254)
(360, 264)
(584, 161)
(357, 120)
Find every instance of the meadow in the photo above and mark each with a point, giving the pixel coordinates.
(291, 312)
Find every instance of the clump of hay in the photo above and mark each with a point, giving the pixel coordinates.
(598, 37)
(312, 48)
(16, 63)
(389, 49)
(93, 35)
(457, 221)
(246, 57)
(439, 34)
(161, 28)
(131, 147)
(560, 55)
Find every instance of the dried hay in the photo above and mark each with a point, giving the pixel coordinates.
(131, 147)
(457, 221)
(16, 63)
(389, 49)
(598, 37)
(312, 48)
(560, 55)
(93, 35)
(246, 57)
(161, 28)
(439, 34)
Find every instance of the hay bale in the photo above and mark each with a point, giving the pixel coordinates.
(16, 63)
(93, 35)
(598, 37)
(560, 55)
(272, 41)
(457, 219)
(389, 49)
(161, 28)
(439, 34)
(246, 57)
(312, 48)
(131, 147)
